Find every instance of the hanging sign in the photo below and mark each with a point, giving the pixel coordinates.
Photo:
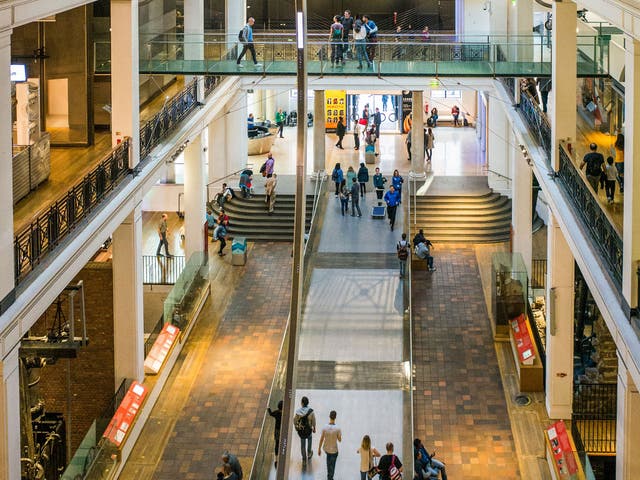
(126, 414)
(335, 103)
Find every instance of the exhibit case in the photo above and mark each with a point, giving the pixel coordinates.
(509, 290)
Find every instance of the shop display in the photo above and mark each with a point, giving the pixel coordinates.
(510, 286)
(538, 310)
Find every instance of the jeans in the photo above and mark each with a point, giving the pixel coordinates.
(355, 205)
(594, 182)
(223, 243)
(336, 52)
(361, 51)
(356, 141)
(280, 128)
(363, 189)
(163, 241)
(403, 267)
(391, 212)
(331, 464)
(344, 205)
(308, 451)
(429, 261)
(337, 187)
(620, 168)
(251, 48)
(610, 188)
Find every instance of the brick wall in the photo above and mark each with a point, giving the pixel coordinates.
(81, 388)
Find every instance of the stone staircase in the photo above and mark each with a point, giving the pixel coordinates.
(477, 218)
(248, 217)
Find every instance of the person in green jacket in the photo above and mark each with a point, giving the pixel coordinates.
(280, 122)
(378, 184)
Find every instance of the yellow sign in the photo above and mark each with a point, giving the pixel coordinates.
(335, 106)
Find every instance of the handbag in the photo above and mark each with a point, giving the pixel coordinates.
(373, 471)
(394, 473)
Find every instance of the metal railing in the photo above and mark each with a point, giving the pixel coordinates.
(537, 122)
(36, 240)
(595, 220)
(161, 270)
(594, 415)
(538, 273)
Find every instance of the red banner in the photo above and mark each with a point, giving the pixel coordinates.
(161, 348)
(561, 450)
(126, 414)
(522, 336)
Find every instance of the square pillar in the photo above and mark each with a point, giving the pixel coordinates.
(520, 22)
(125, 83)
(128, 306)
(627, 426)
(563, 77)
(234, 18)
(631, 225)
(194, 194)
(417, 134)
(10, 415)
(237, 132)
(560, 298)
(7, 262)
(319, 151)
(499, 149)
(217, 141)
(194, 39)
(521, 207)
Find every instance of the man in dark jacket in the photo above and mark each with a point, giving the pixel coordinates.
(340, 131)
(355, 199)
(347, 25)
(377, 121)
(363, 178)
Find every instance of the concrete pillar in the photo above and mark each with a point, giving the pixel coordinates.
(235, 18)
(257, 105)
(563, 77)
(194, 39)
(522, 204)
(236, 132)
(417, 134)
(194, 194)
(499, 150)
(217, 139)
(125, 84)
(270, 104)
(319, 153)
(128, 307)
(631, 225)
(627, 426)
(520, 22)
(7, 264)
(560, 298)
(10, 413)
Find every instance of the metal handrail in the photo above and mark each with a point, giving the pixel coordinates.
(226, 177)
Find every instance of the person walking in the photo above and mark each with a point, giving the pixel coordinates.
(455, 113)
(434, 117)
(277, 419)
(392, 198)
(270, 192)
(402, 249)
(246, 39)
(351, 174)
(355, 198)
(220, 234)
(163, 231)
(397, 182)
(337, 176)
(545, 87)
(377, 121)
(378, 184)
(357, 128)
(234, 463)
(331, 435)
(269, 165)
(389, 463)
(304, 422)
(340, 131)
(428, 143)
(610, 184)
(360, 39)
(367, 454)
(594, 161)
(363, 178)
(619, 160)
(280, 118)
(344, 198)
(335, 39)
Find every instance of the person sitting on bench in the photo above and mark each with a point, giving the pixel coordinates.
(423, 250)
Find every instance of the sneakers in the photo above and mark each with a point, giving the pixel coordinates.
(239, 65)
(257, 65)
(432, 269)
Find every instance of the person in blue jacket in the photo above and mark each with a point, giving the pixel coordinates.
(392, 197)
(336, 177)
(372, 36)
(397, 182)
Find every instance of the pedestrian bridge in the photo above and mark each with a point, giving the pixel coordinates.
(395, 55)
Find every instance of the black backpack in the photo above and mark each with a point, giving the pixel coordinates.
(403, 251)
(302, 425)
(241, 36)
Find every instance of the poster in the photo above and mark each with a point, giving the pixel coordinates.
(335, 103)
(523, 340)
(126, 414)
(561, 449)
(161, 348)
(407, 103)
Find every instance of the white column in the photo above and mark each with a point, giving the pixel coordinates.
(270, 104)
(128, 307)
(257, 105)
(194, 194)
(10, 414)
(631, 225)
(236, 132)
(217, 148)
(520, 22)
(560, 297)
(522, 204)
(417, 134)
(7, 268)
(563, 77)
(235, 19)
(627, 426)
(194, 38)
(319, 152)
(125, 84)
(499, 150)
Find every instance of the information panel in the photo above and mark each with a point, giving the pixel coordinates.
(563, 456)
(161, 348)
(126, 414)
(335, 102)
(522, 336)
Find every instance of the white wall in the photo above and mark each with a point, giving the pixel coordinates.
(163, 198)
(476, 17)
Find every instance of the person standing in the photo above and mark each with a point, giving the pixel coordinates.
(331, 435)
(335, 38)
(407, 141)
(355, 198)
(372, 36)
(163, 231)
(385, 100)
(360, 39)
(233, 462)
(351, 174)
(377, 121)
(269, 165)
(344, 198)
(277, 418)
(389, 462)
(545, 88)
(337, 176)
(428, 143)
(220, 234)
(594, 162)
(397, 182)
(340, 131)
(455, 113)
(392, 198)
(619, 160)
(363, 178)
(304, 422)
(280, 118)
(270, 192)
(356, 135)
(367, 453)
(378, 184)
(246, 39)
(402, 249)
(434, 117)
(347, 25)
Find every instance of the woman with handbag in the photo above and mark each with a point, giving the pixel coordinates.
(390, 466)
(368, 468)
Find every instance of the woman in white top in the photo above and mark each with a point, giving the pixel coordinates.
(367, 452)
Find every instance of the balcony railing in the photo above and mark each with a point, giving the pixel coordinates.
(161, 270)
(537, 122)
(585, 204)
(594, 416)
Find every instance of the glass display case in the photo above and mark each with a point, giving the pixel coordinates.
(509, 289)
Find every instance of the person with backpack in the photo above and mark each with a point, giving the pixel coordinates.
(245, 37)
(336, 177)
(220, 234)
(360, 39)
(594, 161)
(335, 38)
(304, 422)
(402, 249)
(372, 36)
(363, 178)
(390, 466)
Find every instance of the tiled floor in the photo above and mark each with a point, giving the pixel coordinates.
(459, 403)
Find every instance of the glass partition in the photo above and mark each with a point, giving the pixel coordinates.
(183, 301)
(510, 286)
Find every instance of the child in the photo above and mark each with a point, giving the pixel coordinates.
(612, 174)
